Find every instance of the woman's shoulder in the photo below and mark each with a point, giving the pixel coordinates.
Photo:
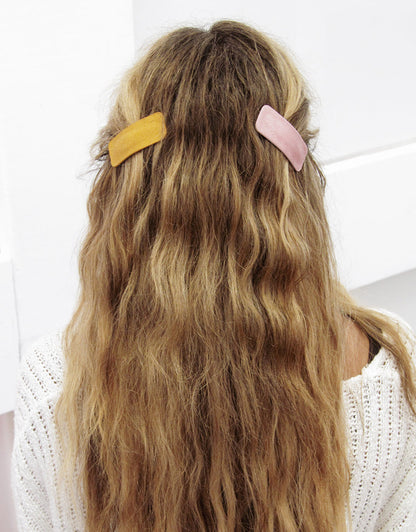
(43, 360)
(382, 438)
(378, 387)
(37, 449)
(383, 362)
(40, 375)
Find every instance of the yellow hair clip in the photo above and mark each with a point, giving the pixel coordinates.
(135, 137)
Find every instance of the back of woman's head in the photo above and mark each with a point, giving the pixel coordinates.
(204, 361)
(214, 180)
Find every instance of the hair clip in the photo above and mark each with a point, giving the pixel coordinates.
(135, 137)
(283, 135)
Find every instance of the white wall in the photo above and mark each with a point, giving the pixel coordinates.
(371, 202)
(9, 346)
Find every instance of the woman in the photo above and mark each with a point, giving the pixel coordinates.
(215, 375)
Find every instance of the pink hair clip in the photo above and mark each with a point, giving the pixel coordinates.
(283, 135)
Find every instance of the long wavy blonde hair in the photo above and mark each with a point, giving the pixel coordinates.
(204, 362)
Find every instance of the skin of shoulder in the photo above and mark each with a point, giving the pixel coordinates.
(357, 350)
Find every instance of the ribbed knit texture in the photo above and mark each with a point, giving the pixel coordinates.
(381, 429)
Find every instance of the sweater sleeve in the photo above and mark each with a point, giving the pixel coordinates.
(382, 443)
(32, 483)
(399, 510)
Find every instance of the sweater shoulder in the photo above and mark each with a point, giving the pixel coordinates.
(382, 441)
(40, 375)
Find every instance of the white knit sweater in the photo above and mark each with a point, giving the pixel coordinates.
(381, 428)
